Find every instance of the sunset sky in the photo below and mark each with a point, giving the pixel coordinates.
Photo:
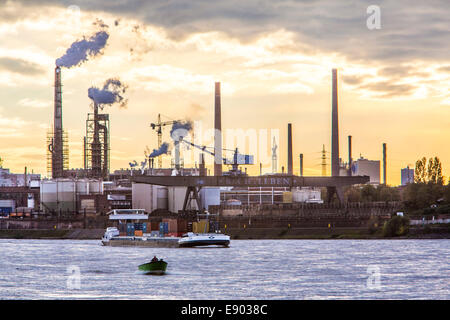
(273, 59)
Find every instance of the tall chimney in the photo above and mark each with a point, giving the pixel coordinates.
(350, 160)
(334, 127)
(384, 164)
(57, 147)
(202, 170)
(301, 164)
(290, 170)
(177, 154)
(217, 132)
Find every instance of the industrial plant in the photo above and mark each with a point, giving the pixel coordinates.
(184, 192)
(83, 197)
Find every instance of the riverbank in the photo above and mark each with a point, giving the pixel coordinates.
(427, 232)
(74, 234)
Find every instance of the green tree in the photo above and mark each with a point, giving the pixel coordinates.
(385, 193)
(368, 193)
(447, 192)
(396, 226)
(436, 171)
(420, 173)
(353, 194)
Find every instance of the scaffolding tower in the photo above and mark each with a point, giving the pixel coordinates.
(97, 145)
(51, 156)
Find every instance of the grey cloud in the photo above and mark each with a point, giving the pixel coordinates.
(352, 80)
(444, 69)
(409, 29)
(388, 89)
(20, 66)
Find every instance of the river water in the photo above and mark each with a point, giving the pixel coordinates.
(249, 269)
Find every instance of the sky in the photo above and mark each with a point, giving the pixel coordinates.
(272, 58)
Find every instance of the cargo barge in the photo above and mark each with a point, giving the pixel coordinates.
(131, 230)
(155, 242)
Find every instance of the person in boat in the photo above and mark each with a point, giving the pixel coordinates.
(155, 259)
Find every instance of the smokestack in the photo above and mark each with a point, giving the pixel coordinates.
(57, 147)
(177, 154)
(301, 164)
(350, 160)
(384, 164)
(217, 132)
(334, 127)
(290, 170)
(202, 170)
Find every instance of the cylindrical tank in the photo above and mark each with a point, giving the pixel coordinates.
(210, 196)
(176, 199)
(95, 186)
(162, 199)
(82, 186)
(58, 194)
(30, 201)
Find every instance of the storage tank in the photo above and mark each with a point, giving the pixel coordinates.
(145, 196)
(162, 198)
(176, 199)
(58, 194)
(30, 201)
(95, 186)
(82, 186)
(209, 196)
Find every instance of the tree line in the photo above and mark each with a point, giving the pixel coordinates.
(427, 191)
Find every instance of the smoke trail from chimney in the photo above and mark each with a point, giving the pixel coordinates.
(81, 50)
(162, 150)
(180, 129)
(112, 92)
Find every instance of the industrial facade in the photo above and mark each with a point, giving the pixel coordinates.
(365, 167)
(407, 176)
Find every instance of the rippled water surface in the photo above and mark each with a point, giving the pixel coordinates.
(249, 269)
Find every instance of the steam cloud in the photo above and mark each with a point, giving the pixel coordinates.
(81, 50)
(133, 164)
(180, 129)
(112, 92)
(162, 150)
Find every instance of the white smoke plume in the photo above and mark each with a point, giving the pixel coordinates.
(112, 92)
(81, 50)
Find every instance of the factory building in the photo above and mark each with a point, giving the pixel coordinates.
(365, 167)
(8, 179)
(407, 176)
(154, 198)
(63, 194)
(269, 195)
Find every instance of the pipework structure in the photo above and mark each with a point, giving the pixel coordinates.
(51, 169)
(97, 144)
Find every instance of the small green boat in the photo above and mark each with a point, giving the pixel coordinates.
(154, 267)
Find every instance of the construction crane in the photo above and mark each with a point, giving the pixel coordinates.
(158, 127)
(238, 159)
